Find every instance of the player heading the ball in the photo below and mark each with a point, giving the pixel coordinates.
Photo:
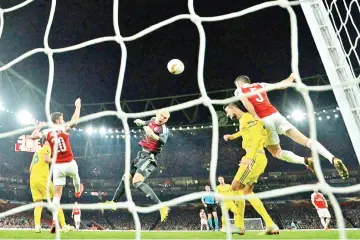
(65, 165)
(156, 135)
(260, 106)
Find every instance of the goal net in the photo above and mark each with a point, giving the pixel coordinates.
(345, 62)
(252, 223)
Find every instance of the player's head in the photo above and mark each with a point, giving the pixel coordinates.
(207, 188)
(162, 116)
(202, 210)
(242, 80)
(43, 142)
(316, 190)
(234, 110)
(221, 180)
(57, 118)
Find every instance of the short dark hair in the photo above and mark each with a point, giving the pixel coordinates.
(42, 141)
(220, 176)
(237, 105)
(56, 116)
(242, 78)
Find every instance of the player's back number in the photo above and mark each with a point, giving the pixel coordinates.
(260, 97)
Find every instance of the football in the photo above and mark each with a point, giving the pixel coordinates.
(175, 66)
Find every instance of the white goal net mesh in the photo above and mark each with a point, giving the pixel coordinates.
(204, 99)
(251, 223)
(345, 17)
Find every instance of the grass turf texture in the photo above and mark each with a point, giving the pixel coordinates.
(299, 234)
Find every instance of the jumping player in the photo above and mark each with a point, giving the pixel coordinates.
(39, 174)
(156, 135)
(252, 165)
(260, 106)
(225, 189)
(76, 215)
(321, 206)
(65, 165)
(203, 220)
(210, 208)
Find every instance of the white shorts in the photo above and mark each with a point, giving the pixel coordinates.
(204, 222)
(276, 124)
(323, 213)
(63, 170)
(77, 218)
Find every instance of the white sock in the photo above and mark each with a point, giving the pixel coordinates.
(290, 157)
(76, 182)
(77, 224)
(56, 202)
(327, 222)
(320, 149)
(323, 222)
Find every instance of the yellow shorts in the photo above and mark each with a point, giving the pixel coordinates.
(38, 190)
(230, 205)
(247, 176)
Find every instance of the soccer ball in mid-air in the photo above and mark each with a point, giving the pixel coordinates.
(175, 66)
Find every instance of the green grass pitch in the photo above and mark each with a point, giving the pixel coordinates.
(299, 234)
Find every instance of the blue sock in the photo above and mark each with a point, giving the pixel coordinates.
(210, 222)
(216, 220)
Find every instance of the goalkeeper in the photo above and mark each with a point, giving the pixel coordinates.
(251, 166)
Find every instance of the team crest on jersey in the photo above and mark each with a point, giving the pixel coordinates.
(156, 129)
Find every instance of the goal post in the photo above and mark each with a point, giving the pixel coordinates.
(336, 60)
(252, 223)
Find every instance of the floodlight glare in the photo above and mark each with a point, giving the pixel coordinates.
(24, 117)
(297, 115)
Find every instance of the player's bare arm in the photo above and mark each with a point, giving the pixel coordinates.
(76, 116)
(36, 134)
(249, 107)
(284, 84)
(47, 158)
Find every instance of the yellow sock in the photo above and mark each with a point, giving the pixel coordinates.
(259, 207)
(239, 217)
(61, 217)
(37, 215)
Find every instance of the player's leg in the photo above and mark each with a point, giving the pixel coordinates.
(120, 190)
(73, 172)
(59, 176)
(144, 167)
(273, 143)
(210, 221)
(37, 196)
(327, 222)
(216, 220)
(322, 220)
(298, 137)
(37, 217)
(327, 218)
(201, 225)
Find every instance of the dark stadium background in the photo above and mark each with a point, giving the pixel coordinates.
(257, 45)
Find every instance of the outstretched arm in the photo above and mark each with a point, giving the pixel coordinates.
(284, 83)
(36, 134)
(76, 115)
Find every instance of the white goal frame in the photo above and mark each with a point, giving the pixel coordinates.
(346, 88)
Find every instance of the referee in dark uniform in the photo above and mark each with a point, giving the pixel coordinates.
(210, 208)
(156, 134)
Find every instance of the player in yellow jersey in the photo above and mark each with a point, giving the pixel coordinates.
(252, 165)
(225, 189)
(39, 174)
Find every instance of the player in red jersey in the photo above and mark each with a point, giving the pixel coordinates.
(65, 165)
(321, 206)
(156, 135)
(203, 220)
(260, 106)
(76, 215)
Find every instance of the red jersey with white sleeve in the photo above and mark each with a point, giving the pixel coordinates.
(319, 200)
(76, 211)
(64, 153)
(260, 101)
(203, 215)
